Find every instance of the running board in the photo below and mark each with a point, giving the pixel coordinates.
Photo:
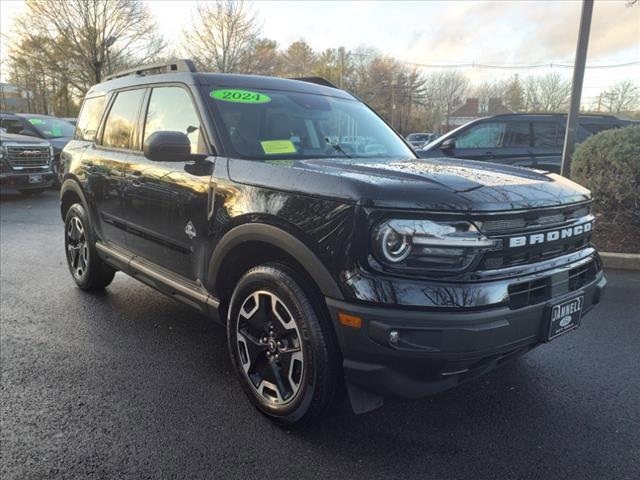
(185, 291)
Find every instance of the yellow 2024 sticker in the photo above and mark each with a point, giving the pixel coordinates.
(240, 96)
(275, 147)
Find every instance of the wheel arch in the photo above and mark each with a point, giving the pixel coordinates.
(251, 244)
(70, 193)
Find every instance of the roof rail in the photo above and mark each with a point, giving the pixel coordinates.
(180, 65)
(316, 80)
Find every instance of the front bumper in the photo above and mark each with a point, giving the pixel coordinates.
(435, 350)
(20, 181)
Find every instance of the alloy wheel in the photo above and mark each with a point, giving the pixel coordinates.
(77, 248)
(270, 348)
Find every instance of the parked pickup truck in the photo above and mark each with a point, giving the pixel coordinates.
(329, 264)
(25, 163)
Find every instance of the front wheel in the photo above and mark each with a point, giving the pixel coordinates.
(87, 269)
(282, 346)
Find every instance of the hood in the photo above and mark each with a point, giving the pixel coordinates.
(441, 184)
(59, 143)
(14, 139)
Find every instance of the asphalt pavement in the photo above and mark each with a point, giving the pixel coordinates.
(130, 384)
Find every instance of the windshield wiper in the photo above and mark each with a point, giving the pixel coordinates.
(337, 147)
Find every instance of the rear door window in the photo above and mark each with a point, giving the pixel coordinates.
(547, 134)
(518, 135)
(120, 126)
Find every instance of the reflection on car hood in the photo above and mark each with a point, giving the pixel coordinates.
(454, 174)
(436, 184)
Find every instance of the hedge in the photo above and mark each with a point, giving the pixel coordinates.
(608, 164)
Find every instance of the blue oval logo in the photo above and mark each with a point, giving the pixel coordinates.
(565, 321)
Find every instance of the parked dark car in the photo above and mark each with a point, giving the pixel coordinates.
(419, 140)
(330, 265)
(56, 131)
(526, 140)
(25, 164)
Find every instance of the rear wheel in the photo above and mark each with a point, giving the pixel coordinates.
(282, 346)
(87, 269)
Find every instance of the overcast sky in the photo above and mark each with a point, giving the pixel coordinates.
(501, 32)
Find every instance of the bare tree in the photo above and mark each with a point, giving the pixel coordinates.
(222, 35)
(262, 58)
(488, 89)
(451, 87)
(622, 97)
(89, 38)
(547, 93)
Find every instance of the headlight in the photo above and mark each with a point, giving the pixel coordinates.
(427, 245)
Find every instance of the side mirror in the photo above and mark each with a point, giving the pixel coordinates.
(167, 147)
(448, 145)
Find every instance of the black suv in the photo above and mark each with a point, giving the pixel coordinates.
(526, 140)
(55, 130)
(330, 264)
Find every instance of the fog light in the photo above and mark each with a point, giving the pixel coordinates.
(394, 336)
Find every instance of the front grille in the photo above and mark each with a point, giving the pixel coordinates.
(28, 157)
(533, 253)
(530, 224)
(544, 289)
(532, 220)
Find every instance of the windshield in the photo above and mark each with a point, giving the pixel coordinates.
(268, 124)
(50, 127)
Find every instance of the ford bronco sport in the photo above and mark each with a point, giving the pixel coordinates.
(336, 259)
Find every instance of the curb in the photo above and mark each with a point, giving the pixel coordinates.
(622, 261)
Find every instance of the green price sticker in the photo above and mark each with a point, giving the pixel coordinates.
(35, 121)
(276, 147)
(240, 96)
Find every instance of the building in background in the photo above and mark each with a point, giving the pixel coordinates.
(472, 109)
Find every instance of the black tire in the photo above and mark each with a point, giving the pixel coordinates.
(32, 192)
(87, 269)
(313, 374)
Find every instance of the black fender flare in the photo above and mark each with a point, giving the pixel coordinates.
(71, 185)
(262, 232)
